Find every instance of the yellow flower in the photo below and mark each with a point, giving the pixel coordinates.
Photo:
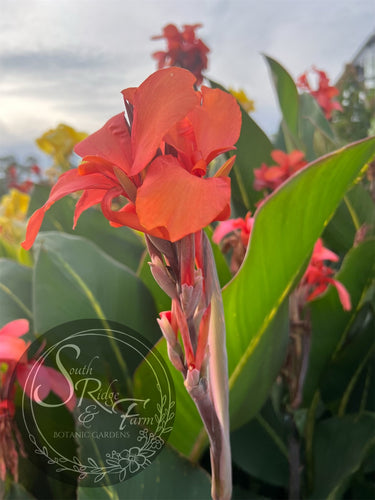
(59, 143)
(13, 213)
(245, 102)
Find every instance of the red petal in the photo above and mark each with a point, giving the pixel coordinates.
(160, 101)
(343, 294)
(126, 216)
(62, 387)
(226, 227)
(12, 349)
(172, 198)
(15, 328)
(34, 380)
(68, 183)
(216, 123)
(88, 199)
(111, 142)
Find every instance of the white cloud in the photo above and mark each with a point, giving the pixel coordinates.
(67, 61)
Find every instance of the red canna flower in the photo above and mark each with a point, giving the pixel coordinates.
(13, 353)
(184, 50)
(270, 177)
(324, 94)
(155, 162)
(318, 276)
(234, 234)
(13, 358)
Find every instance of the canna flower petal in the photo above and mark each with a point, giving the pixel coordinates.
(111, 143)
(343, 294)
(37, 381)
(12, 349)
(169, 193)
(36, 386)
(62, 388)
(160, 102)
(15, 328)
(216, 123)
(226, 227)
(69, 182)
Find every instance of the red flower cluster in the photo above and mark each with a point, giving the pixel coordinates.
(154, 163)
(23, 186)
(318, 276)
(324, 94)
(271, 177)
(184, 50)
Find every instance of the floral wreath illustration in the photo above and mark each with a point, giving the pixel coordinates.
(129, 460)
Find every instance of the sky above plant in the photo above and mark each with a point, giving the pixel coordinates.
(67, 61)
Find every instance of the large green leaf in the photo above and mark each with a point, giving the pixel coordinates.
(253, 149)
(287, 94)
(74, 279)
(285, 230)
(121, 243)
(169, 477)
(340, 446)
(330, 323)
(15, 291)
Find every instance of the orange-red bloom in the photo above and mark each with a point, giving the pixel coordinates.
(318, 276)
(154, 163)
(184, 50)
(271, 177)
(324, 94)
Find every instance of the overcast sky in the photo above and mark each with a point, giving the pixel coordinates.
(67, 60)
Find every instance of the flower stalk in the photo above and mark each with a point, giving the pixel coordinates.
(197, 313)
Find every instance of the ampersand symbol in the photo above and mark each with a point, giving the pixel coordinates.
(88, 416)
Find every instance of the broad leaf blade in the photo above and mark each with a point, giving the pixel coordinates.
(74, 279)
(285, 230)
(287, 94)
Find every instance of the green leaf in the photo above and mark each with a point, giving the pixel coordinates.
(287, 94)
(169, 477)
(285, 230)
(15, 291)
(340, 447)
(330, 323)
(346, 378)
(253, 149)
(74, 279)
(121, 243)
(260, 448)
